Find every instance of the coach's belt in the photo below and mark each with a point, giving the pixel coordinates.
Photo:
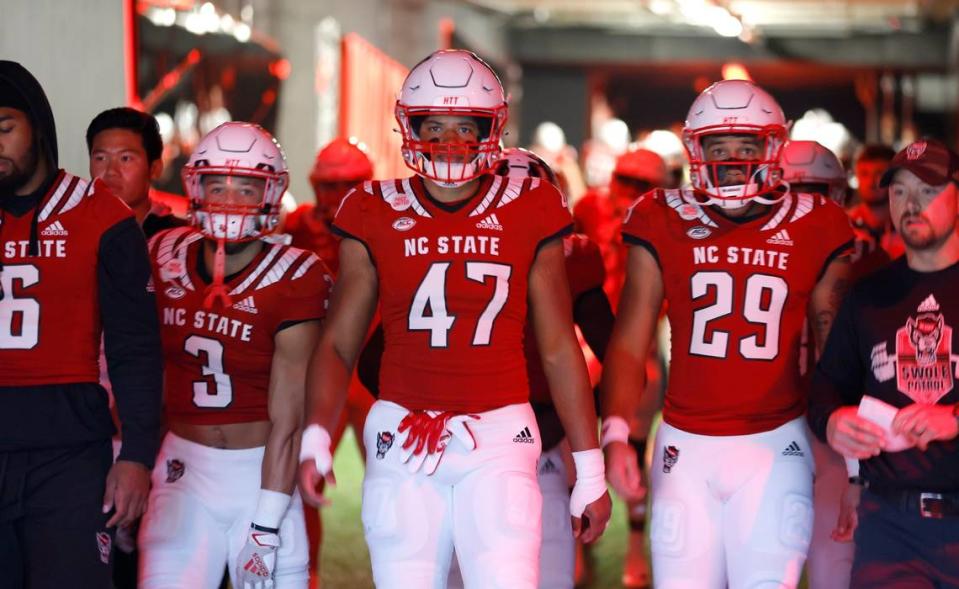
(926, 503)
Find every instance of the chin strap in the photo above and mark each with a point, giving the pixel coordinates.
(217, 290)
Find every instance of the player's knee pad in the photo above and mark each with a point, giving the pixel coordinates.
(395, 522)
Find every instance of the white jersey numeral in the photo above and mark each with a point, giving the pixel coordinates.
(431, 296)
(19, 317)
(763, 305)
(223, 393)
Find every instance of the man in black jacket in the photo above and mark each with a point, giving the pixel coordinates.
(894, 339)
(73, 266)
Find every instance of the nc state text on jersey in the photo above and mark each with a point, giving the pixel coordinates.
(47, 248)
(211, 322)
(710, 254)
(453, 244)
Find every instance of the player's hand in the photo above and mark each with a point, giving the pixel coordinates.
(128, 484)
(852, 436)
(622, 471)
(922, 423)
(848, 519)
(312, 482)
(594, 520)
(316, 464)
(256, 562)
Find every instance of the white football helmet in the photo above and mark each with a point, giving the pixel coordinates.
(516, 162)
(452, 83)
(236, 149)
(735, 107)
(809, 163)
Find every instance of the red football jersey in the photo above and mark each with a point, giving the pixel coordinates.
(49, 315)
(312, 234)
(217, 361)
(453, 286)
(585, 272)
(737, 297)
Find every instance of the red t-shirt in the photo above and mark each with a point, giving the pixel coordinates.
(453, 286)
(217, 361)
(50, 314)
(737, 297)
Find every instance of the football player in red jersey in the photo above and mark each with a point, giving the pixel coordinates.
(740, 260)
(239, 319)
(338, 168)
(452, 255)
(73, 267)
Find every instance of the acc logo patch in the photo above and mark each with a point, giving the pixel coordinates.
(174, 292)
(403, 224)
(384, 441)
(670, 458)
(174, 470)
(699, 232)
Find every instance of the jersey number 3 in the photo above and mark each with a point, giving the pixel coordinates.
(222, 394)
(763, 304)
(431, 295)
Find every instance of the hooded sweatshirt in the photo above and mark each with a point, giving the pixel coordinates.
(49, 394)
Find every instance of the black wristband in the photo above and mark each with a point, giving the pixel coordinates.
(259, 528)
(857, 480)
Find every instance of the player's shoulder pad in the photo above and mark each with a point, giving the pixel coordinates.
(648, 201)
(525, 189)
(169, 243)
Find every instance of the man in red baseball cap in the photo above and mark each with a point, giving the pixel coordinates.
(894, 338)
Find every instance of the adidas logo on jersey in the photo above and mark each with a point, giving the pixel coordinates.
(247, 305)
(793, 449)
(490, 222)
(548, 467)
(930, 305)
(55, 229)
(780, 238)
(524, 437)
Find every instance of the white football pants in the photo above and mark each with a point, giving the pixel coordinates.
(731, 510)
(198, 518)
(557, 553)
(485, 502)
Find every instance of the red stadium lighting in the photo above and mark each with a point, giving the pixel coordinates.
(735, 71)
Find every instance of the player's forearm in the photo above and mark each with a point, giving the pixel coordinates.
(569, 386)
(327, 382)
(280, 457)
(624, 380)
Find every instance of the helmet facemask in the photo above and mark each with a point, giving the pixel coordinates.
(733, 180)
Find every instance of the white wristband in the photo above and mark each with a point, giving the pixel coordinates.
(270, 508)
(590, 480)
(615, 429)
(852, 466)
(315, 445)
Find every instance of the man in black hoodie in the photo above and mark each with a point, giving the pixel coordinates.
(73, 266)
